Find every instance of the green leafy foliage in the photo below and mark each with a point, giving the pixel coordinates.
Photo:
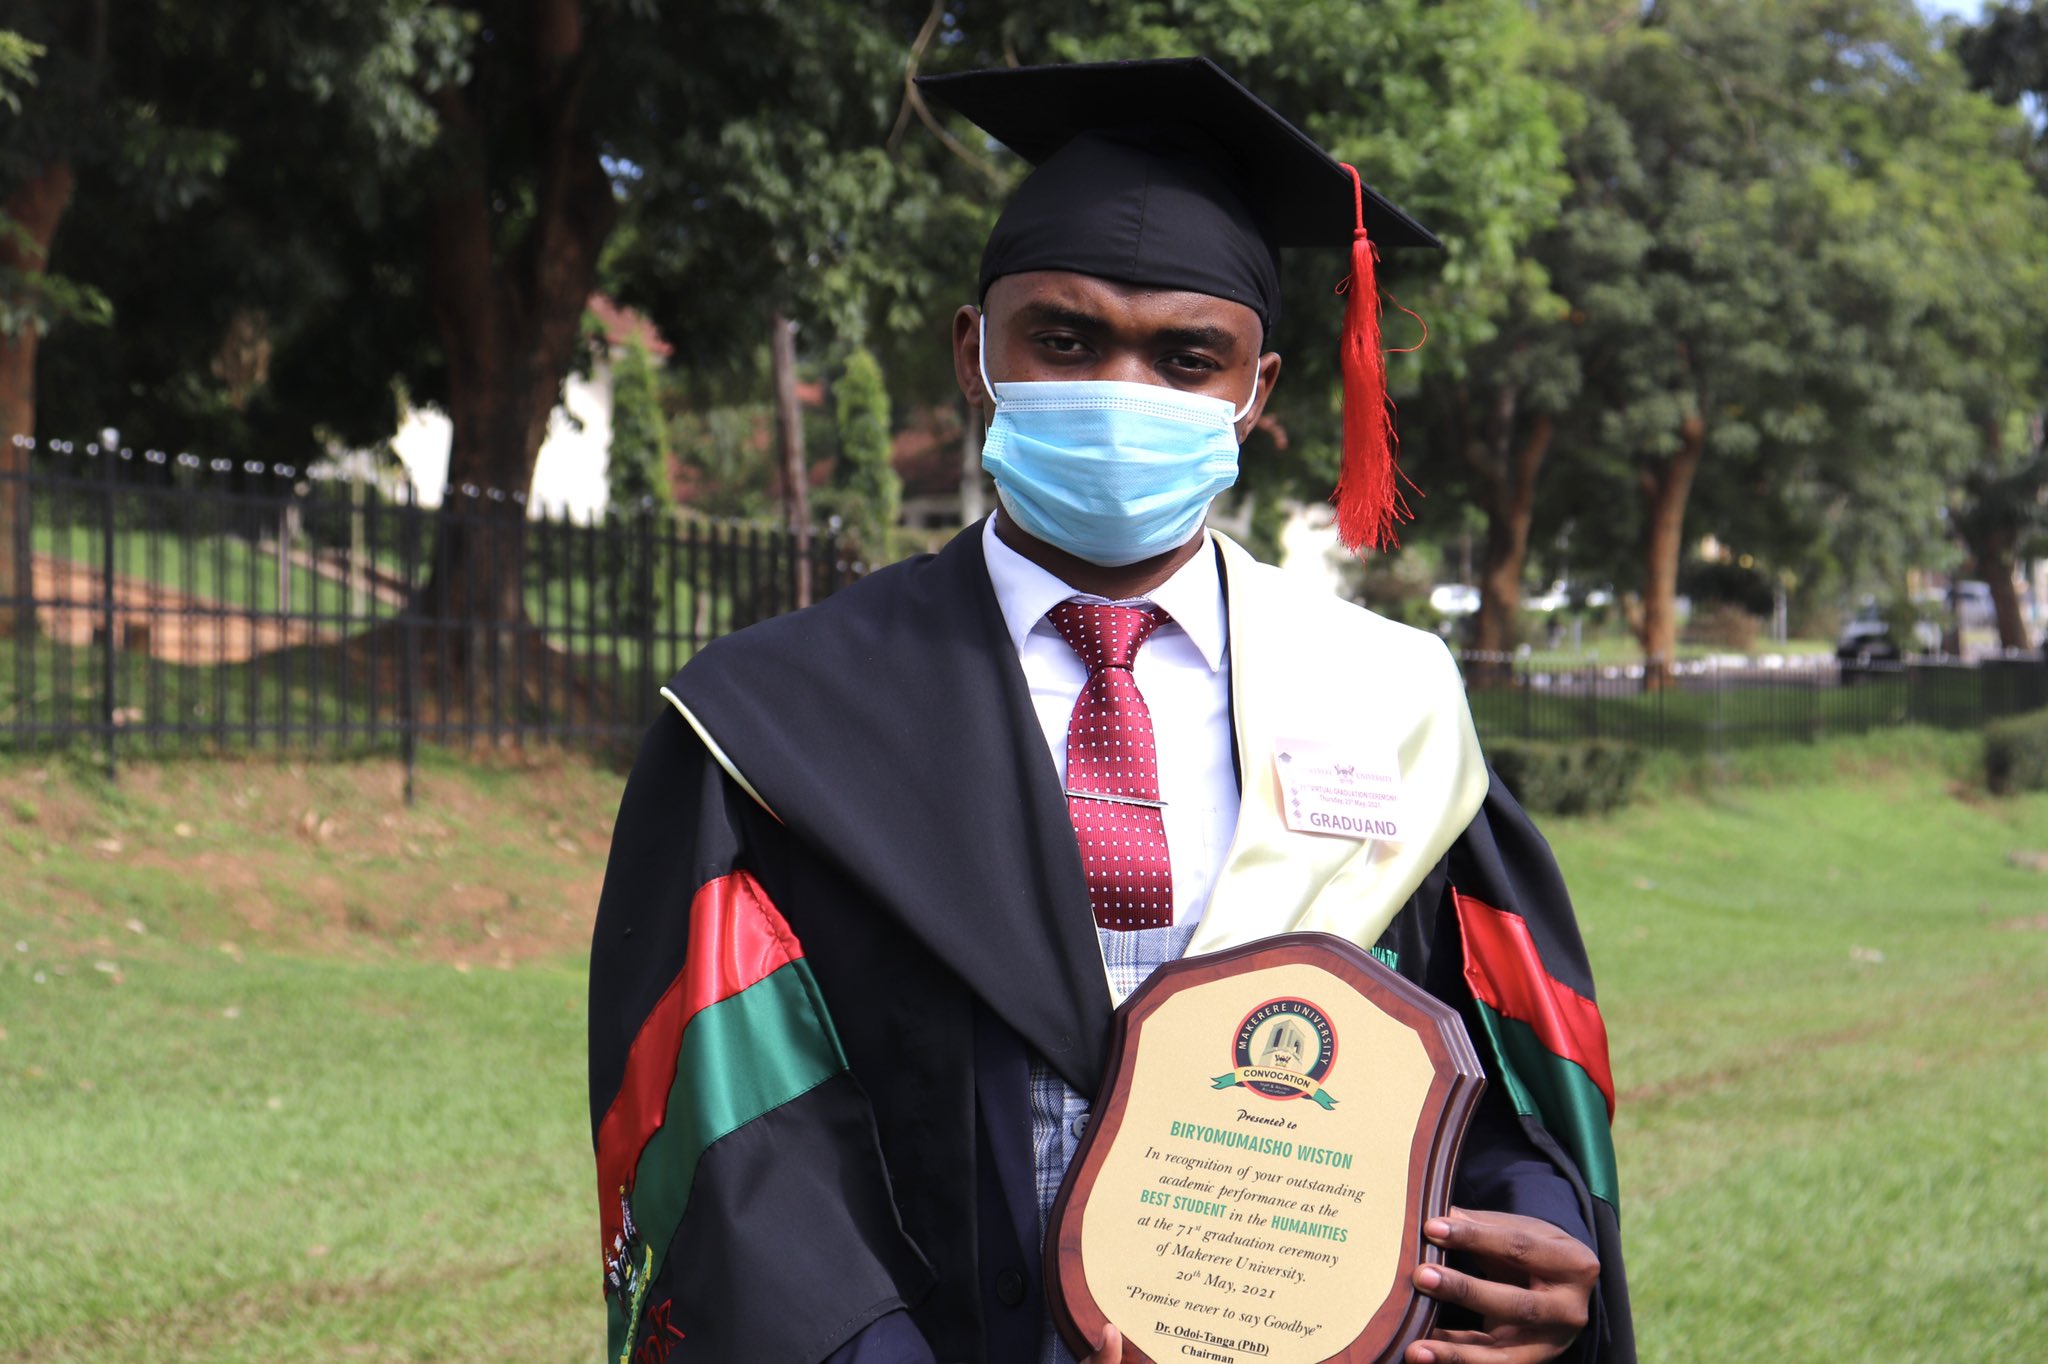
(727, 460)
(17, 68)
(2007, 50)
(2016, 754)
(788, 174)
(247, 177)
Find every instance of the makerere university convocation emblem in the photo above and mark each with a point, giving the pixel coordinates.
(1284, 1049)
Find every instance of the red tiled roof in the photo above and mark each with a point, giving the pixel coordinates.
(623, 326)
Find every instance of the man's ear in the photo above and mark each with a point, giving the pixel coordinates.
(967, 357)
(1269, 378)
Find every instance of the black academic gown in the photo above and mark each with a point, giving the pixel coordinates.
(921, 851)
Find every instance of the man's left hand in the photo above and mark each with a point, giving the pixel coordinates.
(1532, 1301)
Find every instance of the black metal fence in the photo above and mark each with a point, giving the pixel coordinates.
(1715, 704)
(166, 602)
(161, 602)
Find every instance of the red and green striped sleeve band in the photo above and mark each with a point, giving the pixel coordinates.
(741, 1031)
(1549, 1040)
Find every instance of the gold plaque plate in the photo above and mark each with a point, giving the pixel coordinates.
(1277, 1123)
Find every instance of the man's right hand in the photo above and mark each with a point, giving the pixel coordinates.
(1110, 1350)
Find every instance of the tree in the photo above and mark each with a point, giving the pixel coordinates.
(1755, 257)
(869, 492)
(637, 462)
(1998, 512)
(36, 180)
(414, 198)
(515, 218)
(1487, 425)
(639, 484)
(249, 227)
(2001, 507)
(2006, 52)
(829, 190)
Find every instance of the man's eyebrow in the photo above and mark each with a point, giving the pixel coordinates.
(1056, 315)
(1196, 337)
(1199, 337)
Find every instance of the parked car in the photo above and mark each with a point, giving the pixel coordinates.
(1454, 599)
(1868, 638)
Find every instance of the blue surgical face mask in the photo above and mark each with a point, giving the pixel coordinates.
(1109, 471)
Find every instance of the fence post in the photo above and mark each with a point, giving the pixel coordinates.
(409, 703)
(644, 584)
(15, 490)
(1720, 721)
(409, 663)
(107, 624)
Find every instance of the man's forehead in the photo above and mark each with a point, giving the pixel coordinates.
(1048, 294)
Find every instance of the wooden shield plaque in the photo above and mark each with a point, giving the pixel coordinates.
(1276, 1124)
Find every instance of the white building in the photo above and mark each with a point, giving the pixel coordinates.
(569, 477)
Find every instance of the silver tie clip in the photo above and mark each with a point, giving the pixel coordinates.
(1116, 800)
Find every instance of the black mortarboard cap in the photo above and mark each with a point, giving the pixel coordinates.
(1164, 173)
(1171, 175)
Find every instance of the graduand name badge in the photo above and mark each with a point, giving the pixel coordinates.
(1277, 1123)
(1353, 791)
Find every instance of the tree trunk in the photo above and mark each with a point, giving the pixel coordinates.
(1993, 552)
(1504, 470)
(789, 439)
(509, 307)
(35, 207)
(1510, 505)
(1665, 488)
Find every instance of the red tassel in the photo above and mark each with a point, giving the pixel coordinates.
(1368, 497)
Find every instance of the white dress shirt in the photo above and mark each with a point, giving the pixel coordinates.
(1183, 672)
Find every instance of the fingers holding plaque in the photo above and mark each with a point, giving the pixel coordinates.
(1278, 1122)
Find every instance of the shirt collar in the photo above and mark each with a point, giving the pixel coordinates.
(1193, 596)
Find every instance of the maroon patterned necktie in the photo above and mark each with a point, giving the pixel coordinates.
(1112, 770)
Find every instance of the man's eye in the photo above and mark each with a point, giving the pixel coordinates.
(1188, 363)
(1062, 345)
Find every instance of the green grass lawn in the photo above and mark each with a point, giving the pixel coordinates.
(289, 1070)
(1828, 1002)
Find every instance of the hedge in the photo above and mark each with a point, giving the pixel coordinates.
(1587, 777)
(2016, 753)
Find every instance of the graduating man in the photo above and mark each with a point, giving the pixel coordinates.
(885, 866)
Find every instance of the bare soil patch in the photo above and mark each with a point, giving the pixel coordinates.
(175, 626)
